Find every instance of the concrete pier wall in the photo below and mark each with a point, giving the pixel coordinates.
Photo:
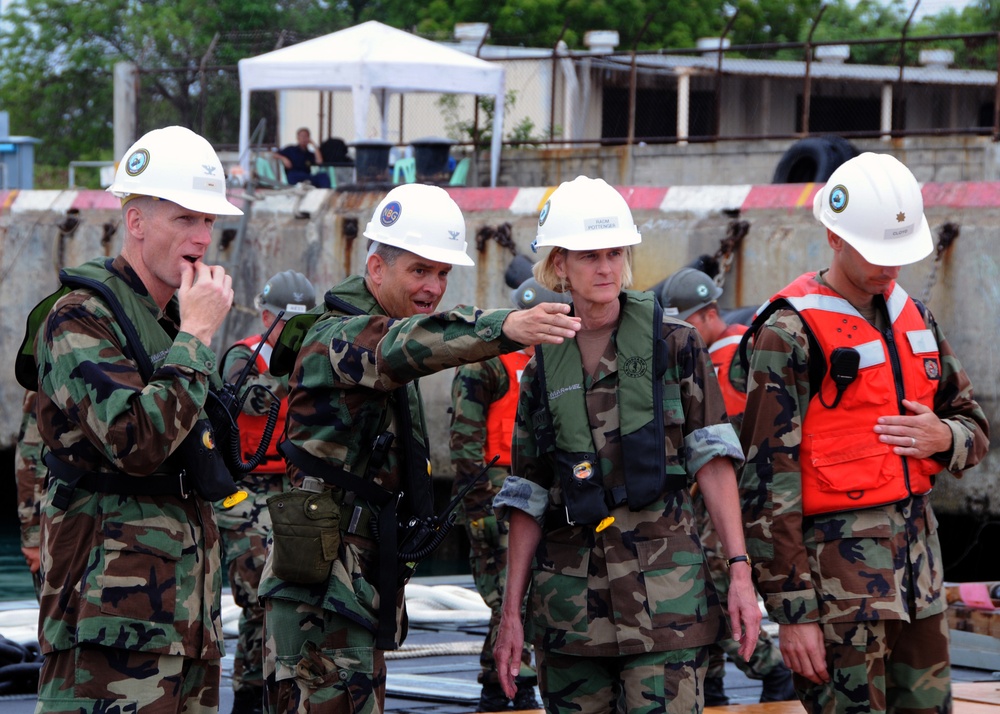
(320, 234)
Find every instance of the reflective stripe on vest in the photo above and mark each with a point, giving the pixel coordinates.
(501, 414)
(252, 426)
(722, 352)
(844, 465)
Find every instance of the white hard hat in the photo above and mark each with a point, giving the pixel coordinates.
(585, 214)
(874, 203)
(423, 220)
(177, 165)
(687, 291)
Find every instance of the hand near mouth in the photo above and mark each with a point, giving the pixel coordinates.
(205, 296)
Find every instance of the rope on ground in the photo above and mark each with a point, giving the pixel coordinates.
(442, 649)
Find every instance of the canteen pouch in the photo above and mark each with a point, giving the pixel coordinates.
(306, 534)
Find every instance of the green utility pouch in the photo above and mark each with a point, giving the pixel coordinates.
(306, 532)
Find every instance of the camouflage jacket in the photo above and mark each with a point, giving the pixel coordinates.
(474, 388)
(642, 584)
(341, 397)
(133, 572)
(876, 563)
(29, 470)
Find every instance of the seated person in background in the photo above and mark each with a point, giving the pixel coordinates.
(300, 158)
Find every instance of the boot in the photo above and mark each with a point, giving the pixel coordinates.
(778, 686)
(248, 700)
(715, 692)
(492, 698)
(524, 697)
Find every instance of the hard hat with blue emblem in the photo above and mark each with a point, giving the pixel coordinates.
(874, 203)
(421, 219)
(174, 164)
(586, 214)
(687, 291)
(530, 293)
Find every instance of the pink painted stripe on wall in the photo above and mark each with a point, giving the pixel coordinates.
(483, 199)
(96, 200)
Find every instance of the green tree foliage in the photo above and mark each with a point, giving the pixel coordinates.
(57, 59)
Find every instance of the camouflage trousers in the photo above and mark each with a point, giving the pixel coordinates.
(319, 662)
(766, 655)
(489, 565)
(655, 682)
(883, 666)
(245, 530)
(104, 680)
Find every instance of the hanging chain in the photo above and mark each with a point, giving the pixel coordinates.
(728, 247)
(947, 235)
(502, 234)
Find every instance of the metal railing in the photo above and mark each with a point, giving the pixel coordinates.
(74, 165)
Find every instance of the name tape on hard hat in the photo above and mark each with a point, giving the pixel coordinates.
(292, 307)
(892, 233)
(205, 183)
(600, 224)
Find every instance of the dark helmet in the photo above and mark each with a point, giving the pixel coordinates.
(530, 293)
(687, 291)
(289, 291)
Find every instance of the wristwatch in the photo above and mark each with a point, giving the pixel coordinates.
(745, 558)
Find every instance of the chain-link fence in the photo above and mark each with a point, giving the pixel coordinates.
(944, 84)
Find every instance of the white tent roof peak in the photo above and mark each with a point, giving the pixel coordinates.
(366, 58)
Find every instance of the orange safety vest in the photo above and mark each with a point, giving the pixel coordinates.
(252, 427)
(502, 413)
(722, 352)
(844, 465)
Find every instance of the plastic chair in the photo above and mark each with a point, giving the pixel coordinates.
(460, 174)
(405, 168)
(264, 167)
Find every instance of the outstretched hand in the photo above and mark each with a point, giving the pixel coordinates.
(547, 323)
(205, 296)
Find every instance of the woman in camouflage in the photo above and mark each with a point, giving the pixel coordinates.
(611, 427)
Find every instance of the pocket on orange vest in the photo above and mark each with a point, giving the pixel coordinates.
(849, 460)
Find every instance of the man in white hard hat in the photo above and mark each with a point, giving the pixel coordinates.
(357, 446)
(130, 601)
(855, 402)
(246, 528)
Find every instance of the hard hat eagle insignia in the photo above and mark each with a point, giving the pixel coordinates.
(454, 234)
(391, 213)
(209, 169)
(137, 162)
(838, 198)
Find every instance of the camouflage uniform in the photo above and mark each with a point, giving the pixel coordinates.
(871, 578)
(130, 605)
(319, 646)
(246, 527)
(634, 602)
(474, 388)
(29, 470)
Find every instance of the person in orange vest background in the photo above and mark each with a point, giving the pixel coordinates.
(484, 407)
(245, 528)
(691, 295)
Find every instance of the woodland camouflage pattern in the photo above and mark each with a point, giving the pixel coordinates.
(859, 572)
(29, 470)
(139, 573)
(246, 527)
(803, 570)
(642, 584)
(320, 638)
(474, 388)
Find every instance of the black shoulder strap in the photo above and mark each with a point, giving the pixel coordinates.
(26, 365)
(817, 360)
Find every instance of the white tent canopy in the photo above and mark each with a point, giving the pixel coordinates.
(371, 58)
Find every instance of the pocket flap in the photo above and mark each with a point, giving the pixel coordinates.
(662, 553)
(847, 445)
(139, 538)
